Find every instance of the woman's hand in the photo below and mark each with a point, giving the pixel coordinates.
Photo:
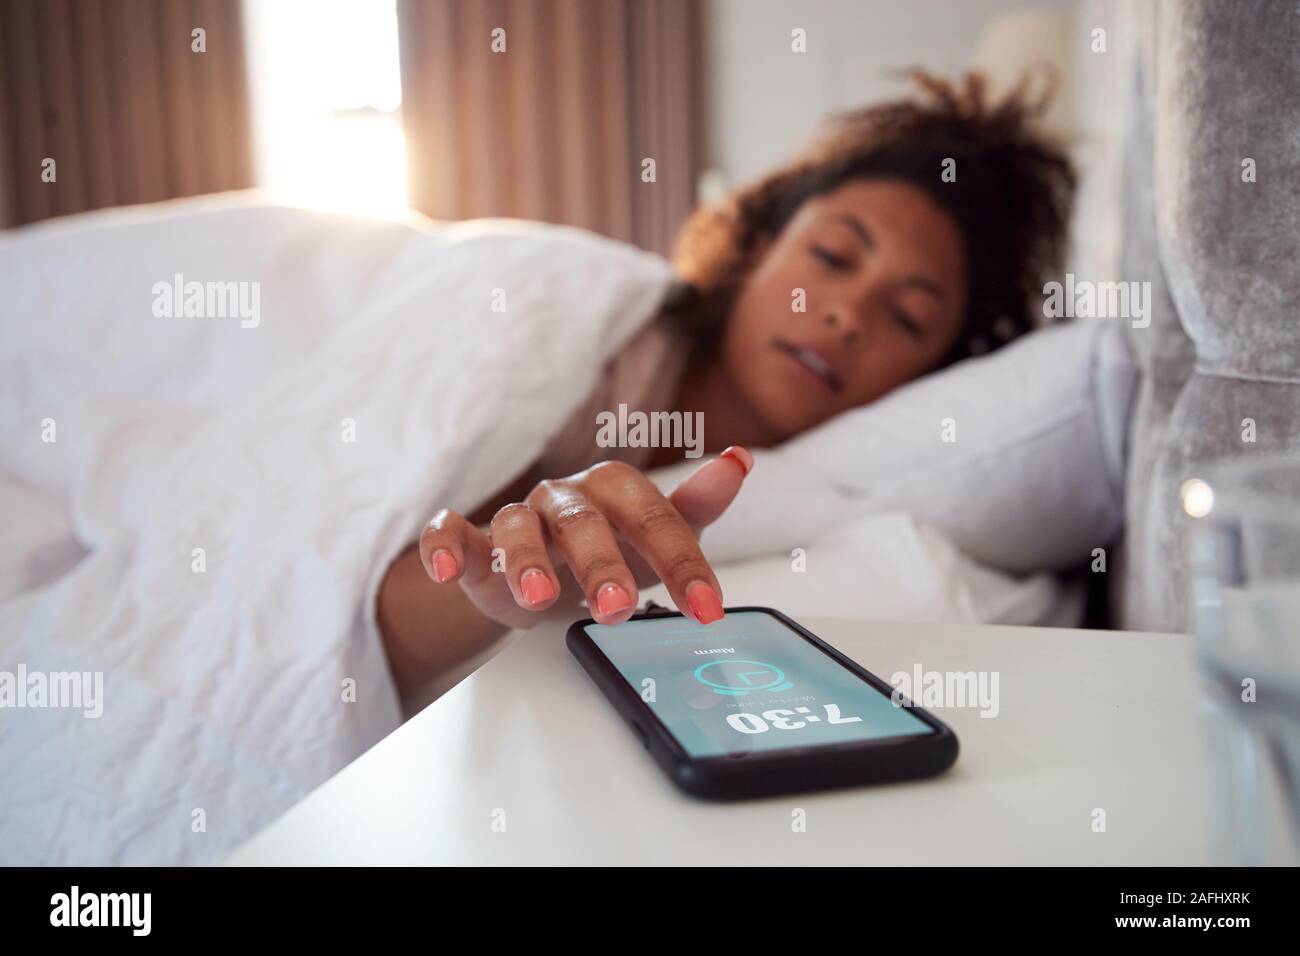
(594, 536)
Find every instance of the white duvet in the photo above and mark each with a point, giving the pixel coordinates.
(199, 509)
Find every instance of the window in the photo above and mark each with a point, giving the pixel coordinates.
(326, 92)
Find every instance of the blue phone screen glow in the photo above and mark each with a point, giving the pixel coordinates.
(747, 684)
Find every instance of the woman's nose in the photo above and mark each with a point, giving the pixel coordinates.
(843, 322)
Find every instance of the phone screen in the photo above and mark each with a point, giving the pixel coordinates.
(747, 684)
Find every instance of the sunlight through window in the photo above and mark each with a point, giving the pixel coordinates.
(326, 93)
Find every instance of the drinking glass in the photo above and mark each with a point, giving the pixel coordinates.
(1245, 583)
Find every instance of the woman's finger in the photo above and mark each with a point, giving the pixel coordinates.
(520, 537)
(586, 541)
(660, 534)
(709, 490)
(452, 549)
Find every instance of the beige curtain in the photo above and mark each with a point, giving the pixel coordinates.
(556, 127)
(113, 92)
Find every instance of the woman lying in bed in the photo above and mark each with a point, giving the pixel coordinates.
(909, 236)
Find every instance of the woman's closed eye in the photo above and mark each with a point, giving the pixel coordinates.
(832, 259)
(841, 263)
(909, 324)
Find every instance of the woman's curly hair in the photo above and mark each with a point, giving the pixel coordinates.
(1011, 202)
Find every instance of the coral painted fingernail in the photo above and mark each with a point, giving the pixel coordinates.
(444, 566)
(536, 586)
(704, 604)
(741, 457)
(611, 599)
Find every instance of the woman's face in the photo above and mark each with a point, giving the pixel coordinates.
(883, 277)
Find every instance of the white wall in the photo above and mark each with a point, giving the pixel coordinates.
(764, 100)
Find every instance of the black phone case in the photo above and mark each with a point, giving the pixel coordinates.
(782, 771)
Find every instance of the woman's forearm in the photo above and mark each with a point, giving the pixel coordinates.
(431, 633)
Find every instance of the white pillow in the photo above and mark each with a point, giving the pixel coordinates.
(891, 567)
(1033, 480)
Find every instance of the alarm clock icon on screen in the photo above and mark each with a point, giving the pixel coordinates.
(735, 678)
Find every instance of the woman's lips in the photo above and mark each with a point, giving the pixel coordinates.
(814, 362)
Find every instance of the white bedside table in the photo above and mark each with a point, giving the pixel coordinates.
(1088, 719)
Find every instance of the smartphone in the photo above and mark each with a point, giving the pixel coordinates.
(755, 704)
